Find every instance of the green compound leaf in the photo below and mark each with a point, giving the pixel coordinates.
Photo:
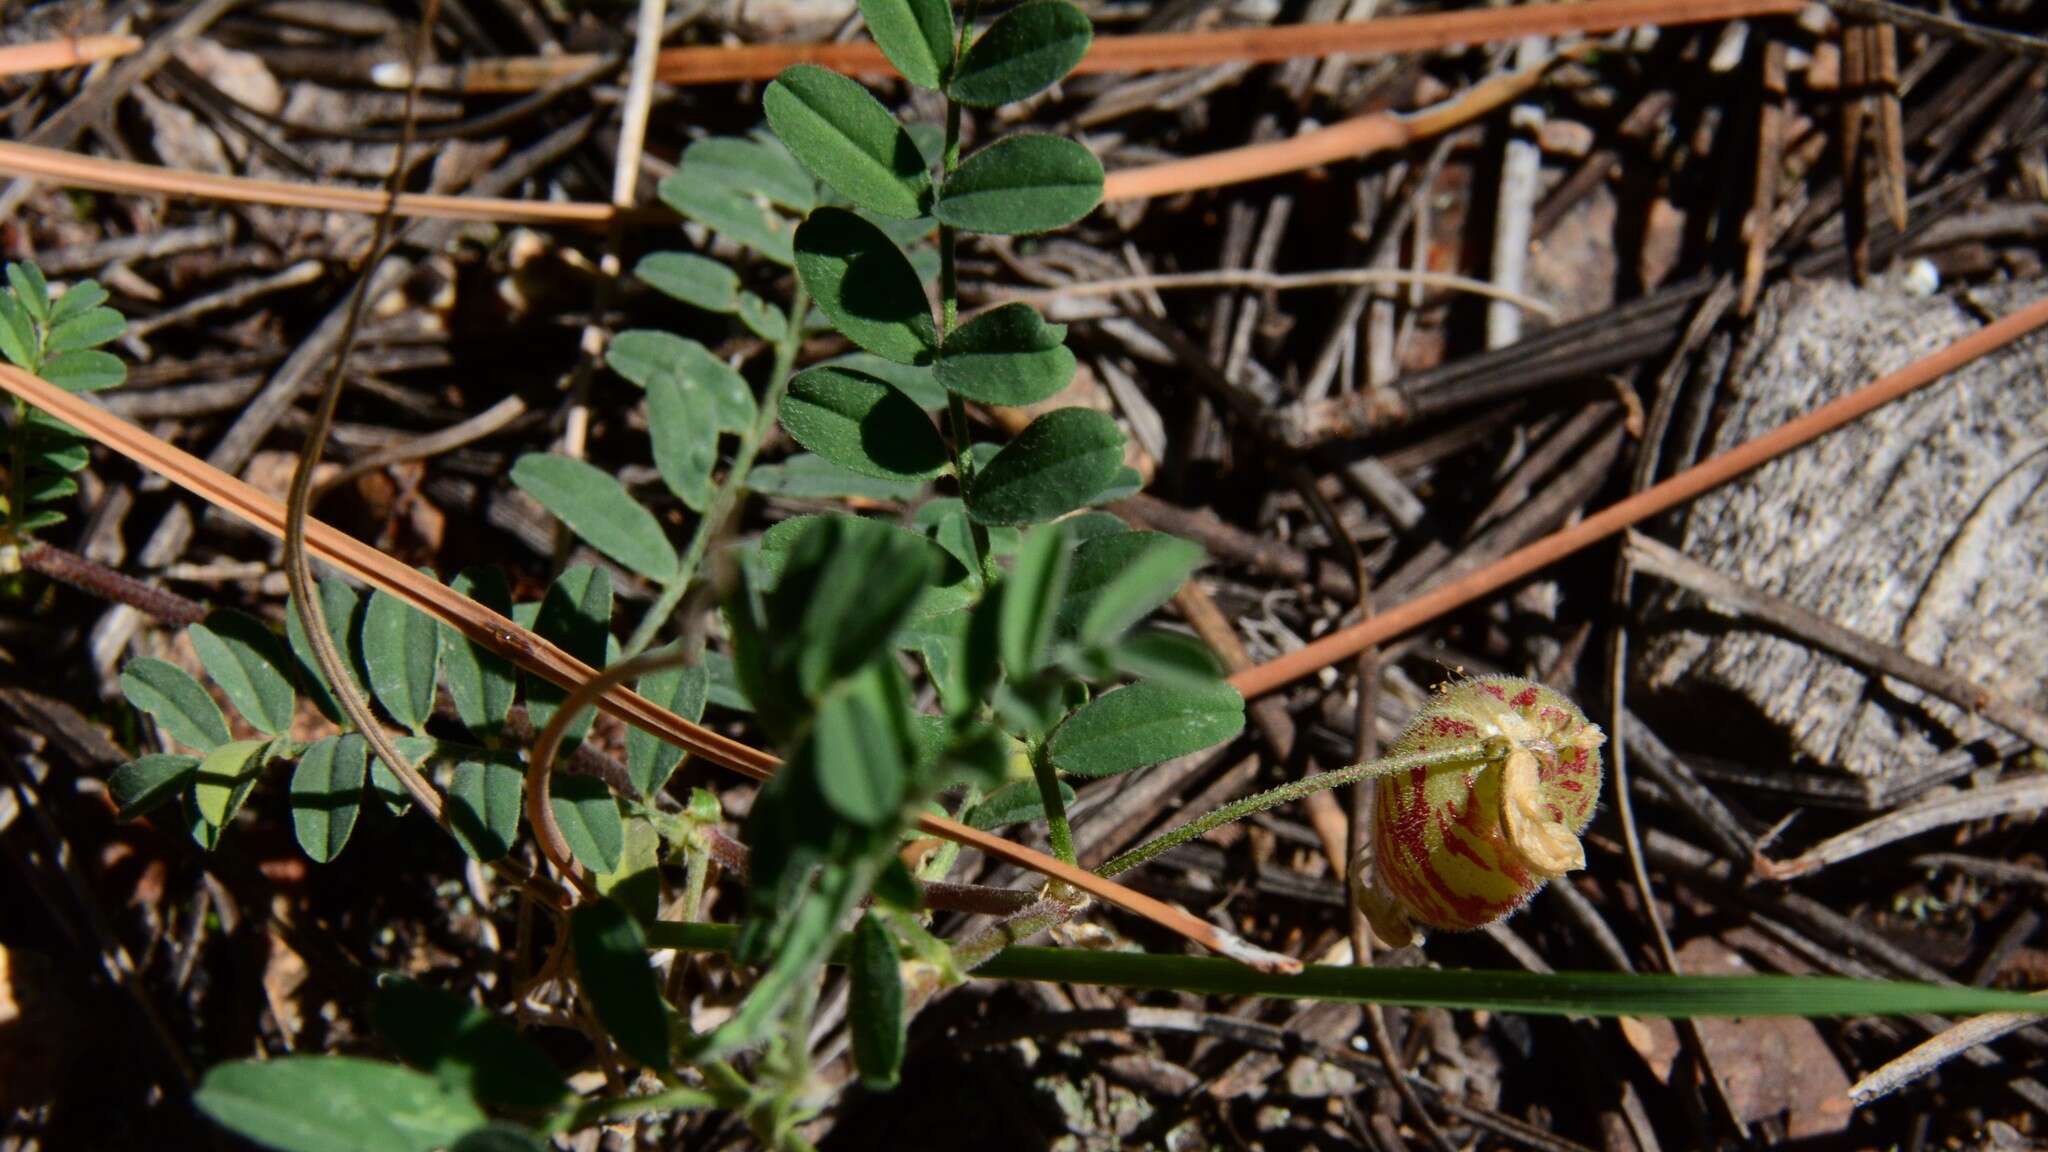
(1051, 468)
(612, 969)
(146, 782)
(248, 661)
(1127, 576)
(576, 614)
(759, 167)
(85, 370)
(224, 778)
(327, 794)
(1025, 52)
(1146, 723)
(682, 427)
(1007, 356)
(734, 215)
(402, 649)
(484, 800)
(863, 282)
(839, 131)
(181, 707)
(693, 279)
(1031, 599)
(590, 821)
(875, 1004)
(465, 1047)
(808, 477)
(649, 759)
(598, 508)
(88, 329)
(336, 1104)
(915, 35)
(1022, 185)
(481, 682)
(863, 425)
(1017, 802)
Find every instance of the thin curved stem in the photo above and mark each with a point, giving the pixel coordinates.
(1491, 748)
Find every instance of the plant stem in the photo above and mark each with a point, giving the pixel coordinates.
(949, 316)
(1479, 751)
(726, 498)
(1055, 805)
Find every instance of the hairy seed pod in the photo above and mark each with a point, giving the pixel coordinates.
(1463, 843)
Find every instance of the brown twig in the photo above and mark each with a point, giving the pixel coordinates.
(2009, 798)
(91, 576)
(1652, 501)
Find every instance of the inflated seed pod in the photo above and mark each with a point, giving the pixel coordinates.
(1462, 843)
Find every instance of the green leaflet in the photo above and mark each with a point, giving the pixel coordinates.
(612, 970)
(1022, 185)
(915, 35)
(144, 783)
(327, 794)
(590, 821)
(244, 657)
(224, 778)
(402, 649)
(1053, 467)
(695, 280)
(863, 425)
(181, 707)
(845, 137)
(1030, 600)
(1145, 723)
(336, 1104)
(484, 799)
(465, 1047)
(481, 682)
(875, 1004)
(598, 508)
(1023, 53)
(1006, 356)
(861, 280)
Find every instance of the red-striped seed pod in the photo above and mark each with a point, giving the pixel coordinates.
(1463, 842)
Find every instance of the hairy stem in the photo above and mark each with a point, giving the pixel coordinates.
(1048, 778)
(727, 497)
(1491, 748)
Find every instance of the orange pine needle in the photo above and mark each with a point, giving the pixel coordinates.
(70, 52)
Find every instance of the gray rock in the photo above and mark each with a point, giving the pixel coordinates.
(1923, 525)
